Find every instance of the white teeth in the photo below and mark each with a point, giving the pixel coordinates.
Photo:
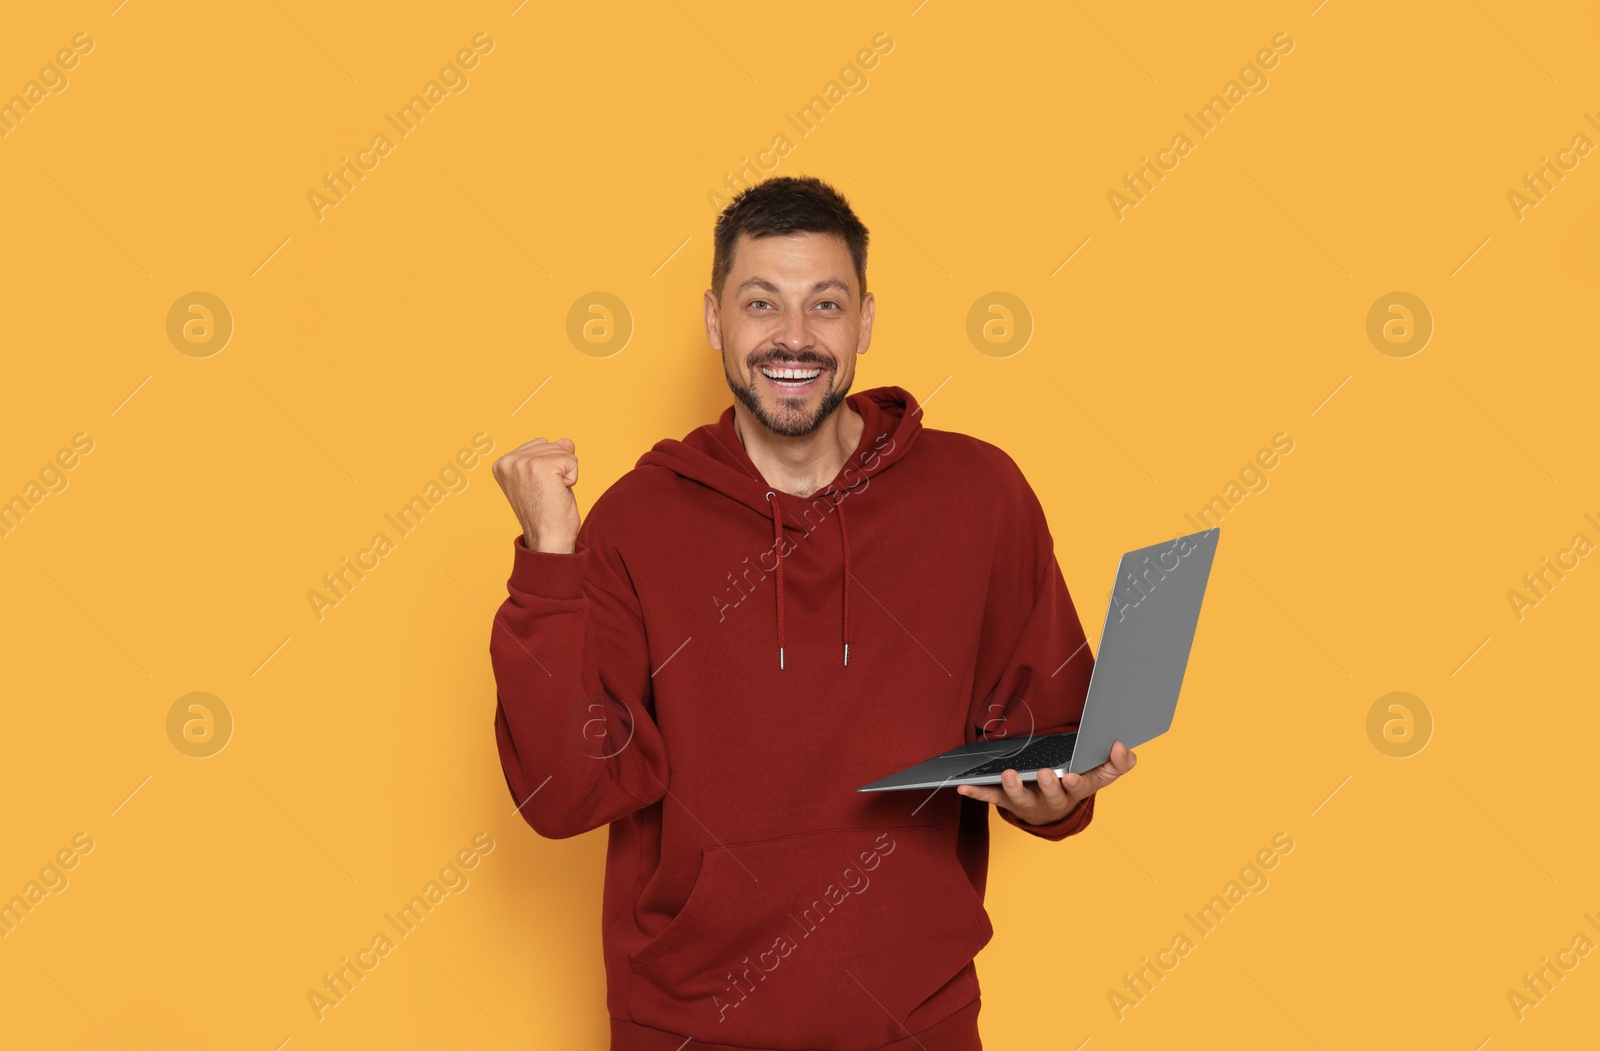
(799, 375)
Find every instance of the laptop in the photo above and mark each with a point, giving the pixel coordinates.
(1133, 689)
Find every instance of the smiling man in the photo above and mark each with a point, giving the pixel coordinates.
(712, 661)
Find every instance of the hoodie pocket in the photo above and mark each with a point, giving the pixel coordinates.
(817, 939)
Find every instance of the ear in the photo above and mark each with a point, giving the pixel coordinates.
(713, 329)
(868, 308)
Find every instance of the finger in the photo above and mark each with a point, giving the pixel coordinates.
(1020, 794)
(1095, 780)
(1055, 795)
(1109, 770)
(1077, 787)
(566, 443)
(984, 792)
(1120, 762)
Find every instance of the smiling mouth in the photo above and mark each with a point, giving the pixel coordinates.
(788, 376)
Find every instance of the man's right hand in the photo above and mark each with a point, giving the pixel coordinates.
(538, 478)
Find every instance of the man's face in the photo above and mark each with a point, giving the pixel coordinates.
(790, 323)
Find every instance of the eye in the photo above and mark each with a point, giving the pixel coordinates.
(754, 302)
(829, 302)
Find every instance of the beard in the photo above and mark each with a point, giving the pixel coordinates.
(788, 419)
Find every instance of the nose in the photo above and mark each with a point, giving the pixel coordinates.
(794, 334)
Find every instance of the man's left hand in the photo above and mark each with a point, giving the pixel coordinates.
(1055, 797)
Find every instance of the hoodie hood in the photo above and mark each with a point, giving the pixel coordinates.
(712, 455)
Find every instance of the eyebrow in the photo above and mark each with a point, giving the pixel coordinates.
(825, 285)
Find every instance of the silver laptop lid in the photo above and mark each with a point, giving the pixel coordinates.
(1144, 649)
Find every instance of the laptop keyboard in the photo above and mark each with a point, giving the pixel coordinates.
(1052, 751)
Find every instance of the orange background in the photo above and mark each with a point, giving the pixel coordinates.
(1166, 347)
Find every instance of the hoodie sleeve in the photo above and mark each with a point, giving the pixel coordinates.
(573, 724)
(1033, 660)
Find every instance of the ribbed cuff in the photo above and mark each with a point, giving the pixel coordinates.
(547, 574)
(1071, 824)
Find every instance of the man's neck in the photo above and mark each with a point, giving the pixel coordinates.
(800, 465)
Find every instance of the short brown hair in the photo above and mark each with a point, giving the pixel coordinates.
(787, 205)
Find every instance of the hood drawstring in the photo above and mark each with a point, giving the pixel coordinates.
(777, 549)
(844, 539)
(777, 546)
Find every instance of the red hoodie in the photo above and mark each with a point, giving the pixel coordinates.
(717, 695)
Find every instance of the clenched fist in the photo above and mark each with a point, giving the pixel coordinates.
(538, 478)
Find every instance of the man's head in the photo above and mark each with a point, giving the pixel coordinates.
(788, 306)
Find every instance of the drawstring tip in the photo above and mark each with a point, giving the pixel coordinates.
(847, 655)
(780, 658)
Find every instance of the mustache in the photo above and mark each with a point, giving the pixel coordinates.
(804, 360)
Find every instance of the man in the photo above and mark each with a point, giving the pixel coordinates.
(713, 660)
